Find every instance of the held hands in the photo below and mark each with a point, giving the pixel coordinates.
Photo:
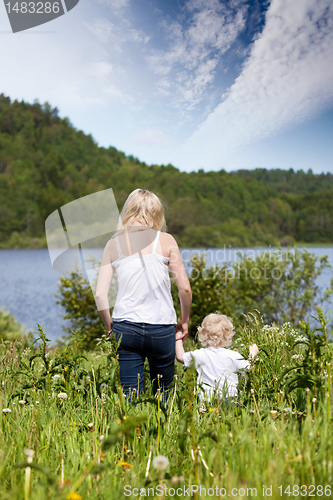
(182, 330)
(110, 331)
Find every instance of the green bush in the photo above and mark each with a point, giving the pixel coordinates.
(281, 285)
(80, 306)
(10, 328)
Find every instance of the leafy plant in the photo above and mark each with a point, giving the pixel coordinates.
(313, 370)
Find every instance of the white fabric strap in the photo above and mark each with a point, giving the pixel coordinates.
(156, 240)
(118, 247)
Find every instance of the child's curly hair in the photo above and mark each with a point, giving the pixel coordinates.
(216, 331)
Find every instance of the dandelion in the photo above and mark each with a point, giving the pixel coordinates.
(29, 454)
(62, 395)
(104, 388)
(74, 496)
(299, 457)
(177, 479)
(160, 462)
(6, 411)
(124, 465)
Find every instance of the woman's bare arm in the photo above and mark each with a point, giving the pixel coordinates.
(105, 277)
(185, 294)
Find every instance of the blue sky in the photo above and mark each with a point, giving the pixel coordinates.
(205, 84)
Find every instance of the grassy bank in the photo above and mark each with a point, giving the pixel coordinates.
(86, 440)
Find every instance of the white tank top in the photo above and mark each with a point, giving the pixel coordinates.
(144, 288)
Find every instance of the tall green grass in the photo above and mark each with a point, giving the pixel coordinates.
(89, 441)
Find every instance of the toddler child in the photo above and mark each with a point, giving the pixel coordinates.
(215, 365)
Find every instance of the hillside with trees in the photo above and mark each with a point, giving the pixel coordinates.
(45, 162)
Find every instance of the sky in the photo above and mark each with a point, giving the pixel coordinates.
(200, 84)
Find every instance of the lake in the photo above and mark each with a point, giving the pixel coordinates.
(29, 283)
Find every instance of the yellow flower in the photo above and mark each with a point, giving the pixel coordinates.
(299, 457)
(124, 465)
(74, 496)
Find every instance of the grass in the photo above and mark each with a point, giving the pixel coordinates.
(94, 443)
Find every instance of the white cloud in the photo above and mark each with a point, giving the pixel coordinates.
(196, 46)
(114, 93)
(105, 31)
(152, 137)
(287, 79)
(102, 29)
(116, 4)
(101, 69)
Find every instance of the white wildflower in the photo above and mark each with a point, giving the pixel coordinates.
(160, 462)
(56, 377)
(29, 454)
(6, 410)
(62, 395)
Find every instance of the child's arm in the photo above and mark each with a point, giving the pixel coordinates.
(179, 348)
(253, 350)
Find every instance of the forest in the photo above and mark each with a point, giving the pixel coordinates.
(45, 162)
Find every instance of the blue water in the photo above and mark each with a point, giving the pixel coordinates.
(29, 283)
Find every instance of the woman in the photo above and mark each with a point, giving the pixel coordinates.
(144, 316)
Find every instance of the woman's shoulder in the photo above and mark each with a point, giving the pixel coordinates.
(167, 244)
(168, 239)
(110, 251)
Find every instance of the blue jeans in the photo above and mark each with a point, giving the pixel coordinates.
(141, 340)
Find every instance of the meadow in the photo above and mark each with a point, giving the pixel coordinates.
(68, 432)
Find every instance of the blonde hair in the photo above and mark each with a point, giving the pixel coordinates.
(216, 331)
(144, 206)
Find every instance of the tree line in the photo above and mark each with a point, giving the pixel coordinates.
(45, 162)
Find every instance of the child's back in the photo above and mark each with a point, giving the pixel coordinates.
(216, 368)
(216, 365)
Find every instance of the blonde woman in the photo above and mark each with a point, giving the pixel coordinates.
(142, 253)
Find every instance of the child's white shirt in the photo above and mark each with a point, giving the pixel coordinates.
(217, 367)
